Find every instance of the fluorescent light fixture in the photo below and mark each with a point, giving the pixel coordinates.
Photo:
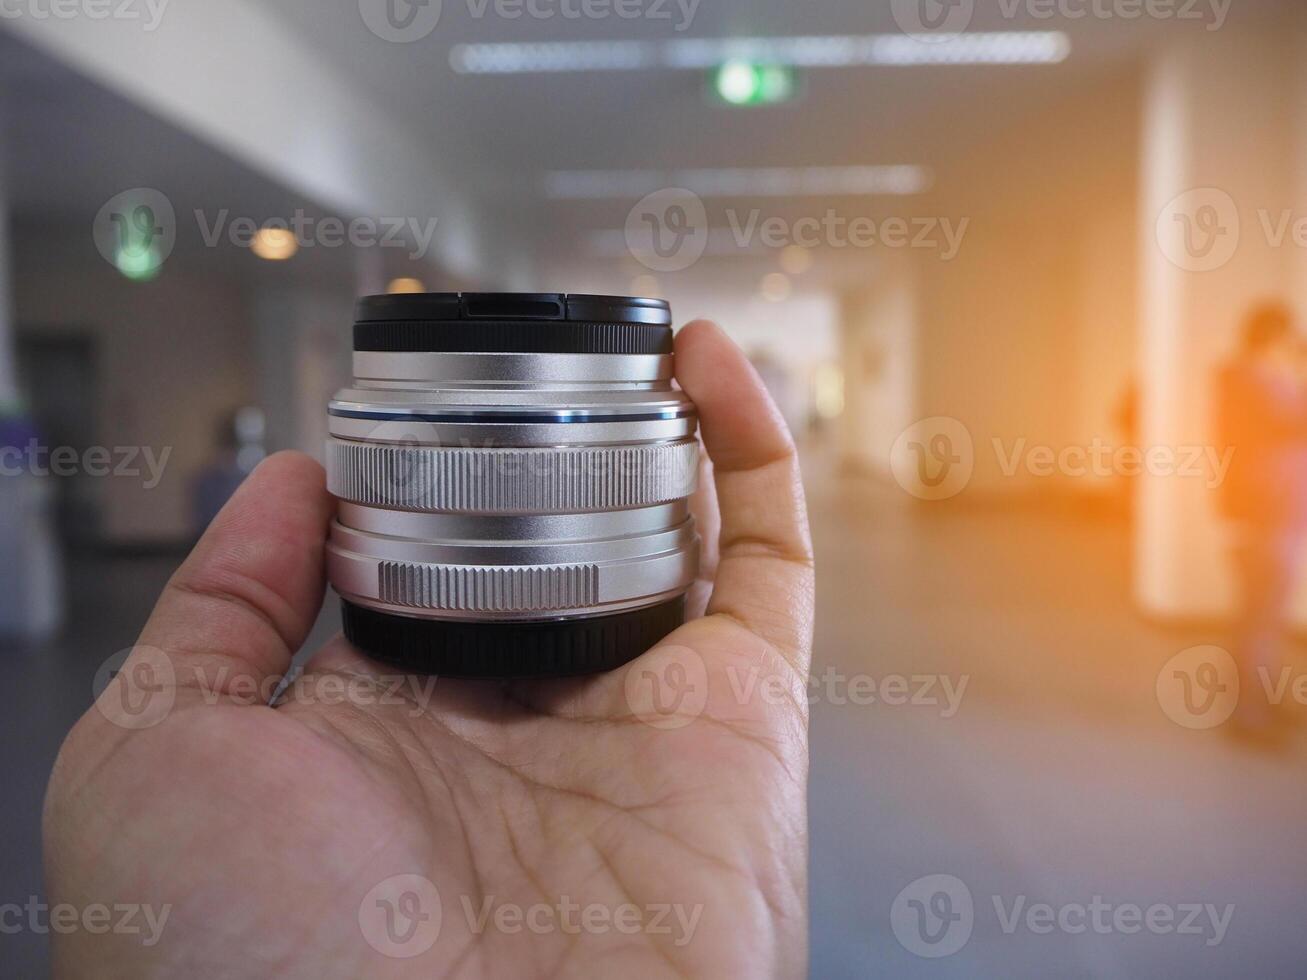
(833, 51)
(1017, 48)
(508, 59)
(722, 243)
(856, 181)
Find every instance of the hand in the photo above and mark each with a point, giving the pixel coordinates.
(527, 817)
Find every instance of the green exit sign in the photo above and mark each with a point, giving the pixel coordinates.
(741, 82)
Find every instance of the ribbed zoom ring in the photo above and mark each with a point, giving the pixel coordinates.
(564, 480)
(486, 588)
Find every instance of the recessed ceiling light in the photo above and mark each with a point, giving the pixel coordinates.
(275, 244)
(775, 287)
(406, 285)
(795, 260)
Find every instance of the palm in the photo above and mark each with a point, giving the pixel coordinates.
(647, 822)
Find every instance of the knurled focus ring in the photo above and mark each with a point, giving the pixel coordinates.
(547, 480)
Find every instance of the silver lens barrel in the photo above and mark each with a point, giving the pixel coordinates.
(497, 494)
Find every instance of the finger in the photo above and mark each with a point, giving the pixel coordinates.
(764, 573)
(708, 523)
(248, 594)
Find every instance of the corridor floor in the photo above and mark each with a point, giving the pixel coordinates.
(1037, 768)
(1057, 780)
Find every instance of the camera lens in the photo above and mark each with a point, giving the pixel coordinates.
(513, 473)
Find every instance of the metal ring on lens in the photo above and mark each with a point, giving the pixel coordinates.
(534, 371)
(511, 580)
(555, 479)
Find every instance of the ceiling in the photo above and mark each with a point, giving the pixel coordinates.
(507, 128)
(70, 145)
(504, 133)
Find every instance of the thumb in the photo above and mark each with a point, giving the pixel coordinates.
(232, 617)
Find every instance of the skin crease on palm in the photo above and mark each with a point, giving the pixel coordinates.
(264, 829)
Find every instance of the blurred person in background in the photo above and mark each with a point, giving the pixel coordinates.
(1262, 415)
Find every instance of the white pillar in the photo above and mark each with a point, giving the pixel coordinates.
(1217, 158)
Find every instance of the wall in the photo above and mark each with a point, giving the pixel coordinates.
(174, 356)
(1024, 335)
(878, 336)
